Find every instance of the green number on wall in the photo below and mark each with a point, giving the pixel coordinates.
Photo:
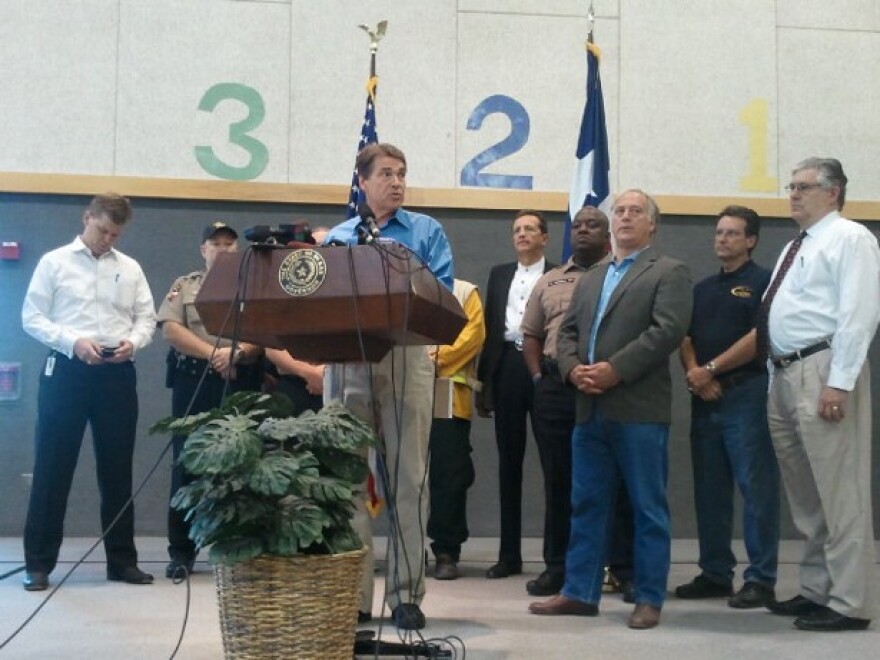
(238, 133)
(755, 117)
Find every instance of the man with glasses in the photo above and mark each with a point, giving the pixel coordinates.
(730, 441)
(818, 318)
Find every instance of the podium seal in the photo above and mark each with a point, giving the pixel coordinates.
(302, 272)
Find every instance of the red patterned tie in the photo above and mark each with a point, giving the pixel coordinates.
(763, 336)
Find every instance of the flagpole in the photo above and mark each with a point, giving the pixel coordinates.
(375, 37)
(590, 184)
(591, 19)
(368, 133)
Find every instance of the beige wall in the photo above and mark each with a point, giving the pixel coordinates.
(112, 87)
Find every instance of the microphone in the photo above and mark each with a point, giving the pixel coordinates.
(368, 228)
(265, 235)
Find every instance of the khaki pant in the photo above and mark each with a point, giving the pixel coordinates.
(396, 396)
(826, 469)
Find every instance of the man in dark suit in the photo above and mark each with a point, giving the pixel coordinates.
(626, 318)
(507, 385)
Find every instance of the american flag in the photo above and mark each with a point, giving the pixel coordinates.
(368, 135)
(589, 186)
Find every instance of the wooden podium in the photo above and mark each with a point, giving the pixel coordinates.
(328, 304)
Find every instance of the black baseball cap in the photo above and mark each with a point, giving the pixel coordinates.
(215, 228)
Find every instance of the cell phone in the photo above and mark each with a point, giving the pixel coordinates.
(108, 351)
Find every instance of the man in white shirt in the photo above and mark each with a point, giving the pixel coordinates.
(92, 307)
(820, 325)
(507, 386)
(818, 318)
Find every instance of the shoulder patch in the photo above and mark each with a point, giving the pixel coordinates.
(174, 292)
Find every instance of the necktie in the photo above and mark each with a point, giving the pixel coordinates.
(763, 331)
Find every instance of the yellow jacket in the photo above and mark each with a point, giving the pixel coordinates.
(458, 361)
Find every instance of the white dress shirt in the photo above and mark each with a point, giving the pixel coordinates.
(524, 280)
(831, 291)
(73, 294)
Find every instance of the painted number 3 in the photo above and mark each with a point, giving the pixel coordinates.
(238, 133)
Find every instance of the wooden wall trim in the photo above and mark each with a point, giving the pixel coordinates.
(336, 195)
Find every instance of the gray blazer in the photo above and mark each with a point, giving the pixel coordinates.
(646, 319)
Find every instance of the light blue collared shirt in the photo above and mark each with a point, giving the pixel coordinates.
(613, 275)
(420, 233)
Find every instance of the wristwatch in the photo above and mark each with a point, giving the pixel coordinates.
(536, 378)
(710, 367)
(238, 356)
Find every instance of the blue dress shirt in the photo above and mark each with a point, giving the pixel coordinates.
(420, 233)
(613, 275)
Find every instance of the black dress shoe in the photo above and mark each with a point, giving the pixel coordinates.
(546, 584)
(446, 568)
(827, 620)
(797, 606)
(703, 587)
(36, 581)
(178, 569)
(129, 574)
(752, 594)
(408, 616)
(628, 590)
(502, 570)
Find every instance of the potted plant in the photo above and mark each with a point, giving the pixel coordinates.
(272, 499)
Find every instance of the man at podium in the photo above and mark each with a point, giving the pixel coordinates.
(395, 394)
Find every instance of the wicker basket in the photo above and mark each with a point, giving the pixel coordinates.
(301, 607)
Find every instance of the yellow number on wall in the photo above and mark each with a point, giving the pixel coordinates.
(755, 117)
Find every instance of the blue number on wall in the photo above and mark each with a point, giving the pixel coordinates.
(238, 133)
(471, 174)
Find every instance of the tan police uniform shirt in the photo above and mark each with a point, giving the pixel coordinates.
(549, 302)
(179, 306)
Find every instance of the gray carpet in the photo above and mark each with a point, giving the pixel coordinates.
(91, 618)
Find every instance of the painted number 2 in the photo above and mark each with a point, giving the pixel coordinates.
(471, 173)
(238, 133)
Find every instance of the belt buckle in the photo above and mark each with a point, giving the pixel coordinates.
(518, 344)
(785, 361)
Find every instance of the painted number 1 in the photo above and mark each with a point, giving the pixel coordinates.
(755, 117)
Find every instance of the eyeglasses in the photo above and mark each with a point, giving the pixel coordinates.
(801, 187)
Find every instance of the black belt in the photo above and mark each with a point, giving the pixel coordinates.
(194, 366)
(729, 381)
(785, 360)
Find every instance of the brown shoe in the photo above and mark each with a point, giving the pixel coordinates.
(644, 616)
(560, 605)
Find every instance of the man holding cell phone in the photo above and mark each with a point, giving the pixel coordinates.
(92, 307)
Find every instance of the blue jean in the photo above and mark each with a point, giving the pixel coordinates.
(730, 442)
(603, 453)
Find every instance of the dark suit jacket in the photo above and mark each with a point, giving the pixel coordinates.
(646, 319)
(500, 279)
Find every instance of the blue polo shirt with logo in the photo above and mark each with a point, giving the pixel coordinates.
(726, 308)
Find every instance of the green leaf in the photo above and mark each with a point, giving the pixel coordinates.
(222, 446)
(275, 472)
(235, 550)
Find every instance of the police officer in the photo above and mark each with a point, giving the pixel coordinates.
(193, 351)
